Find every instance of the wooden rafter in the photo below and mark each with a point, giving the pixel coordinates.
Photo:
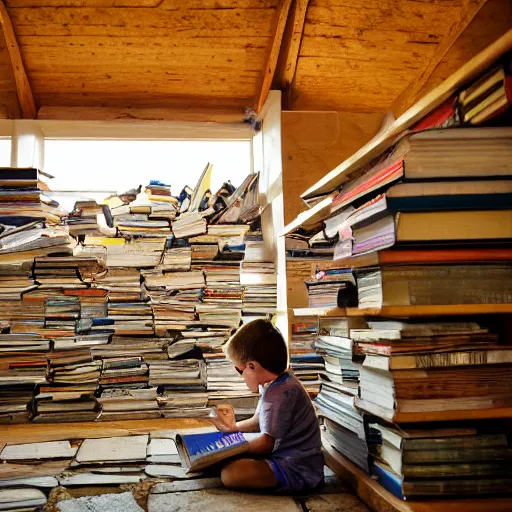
(290, 48)
(411, 94)
(270, 68)
(23, 90)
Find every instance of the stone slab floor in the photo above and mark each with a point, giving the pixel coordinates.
(204, 495)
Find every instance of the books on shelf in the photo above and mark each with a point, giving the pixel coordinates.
(418, 402)
(439, 462)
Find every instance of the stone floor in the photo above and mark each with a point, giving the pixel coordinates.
(203, 495)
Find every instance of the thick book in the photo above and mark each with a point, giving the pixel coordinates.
(447, 195)
(475, 227)
(401, 285)
(436, 154)
(501, 355)
(199, 451)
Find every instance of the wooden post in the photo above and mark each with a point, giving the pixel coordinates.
(25, 97)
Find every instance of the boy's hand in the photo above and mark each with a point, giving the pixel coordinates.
(224, 418)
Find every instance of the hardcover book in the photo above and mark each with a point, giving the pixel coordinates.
(199, 451)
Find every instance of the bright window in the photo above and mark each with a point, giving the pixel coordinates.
(114, 166)
(5, 152)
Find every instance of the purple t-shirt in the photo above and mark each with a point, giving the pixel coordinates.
(287, 415)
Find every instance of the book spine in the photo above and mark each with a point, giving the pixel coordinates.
(437, 360)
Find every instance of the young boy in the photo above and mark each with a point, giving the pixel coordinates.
(286, 455)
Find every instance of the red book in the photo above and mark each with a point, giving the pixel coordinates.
(86, 292)
(444, 256)
(383, 174)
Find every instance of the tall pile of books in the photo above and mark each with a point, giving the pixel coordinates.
(418, 369)
(306, 364)
(120, 310)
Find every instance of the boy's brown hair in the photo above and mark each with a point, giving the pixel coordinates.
(259, 341)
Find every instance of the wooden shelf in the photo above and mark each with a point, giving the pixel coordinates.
(378, 499)
(334, 312)
(405, 311)
(423, 416)
(310, 217)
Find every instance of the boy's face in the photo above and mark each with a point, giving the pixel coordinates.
(251, 372)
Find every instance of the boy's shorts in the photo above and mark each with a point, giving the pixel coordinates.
(282, 483)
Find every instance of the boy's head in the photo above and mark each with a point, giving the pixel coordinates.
(258, 351)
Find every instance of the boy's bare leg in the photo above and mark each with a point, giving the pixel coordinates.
(248, 474)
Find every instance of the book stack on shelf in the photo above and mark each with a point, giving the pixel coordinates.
(120, 310)
(425, 228)
(306, 364)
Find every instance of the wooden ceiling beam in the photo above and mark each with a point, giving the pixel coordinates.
(290, 49)
(137, 114)
(270, 67)
(412, 93)
(23, 90)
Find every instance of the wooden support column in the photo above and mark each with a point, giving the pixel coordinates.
(270, 68)
(23, 90)
(411, 94)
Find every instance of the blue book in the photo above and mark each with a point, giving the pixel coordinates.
(198, 451)
(388, 479)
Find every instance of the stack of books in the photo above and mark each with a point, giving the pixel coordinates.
(332, 288)
(89, 218)
(417, 462)
(259, 281)
(305, 363)
(463, 366)
(110, 312)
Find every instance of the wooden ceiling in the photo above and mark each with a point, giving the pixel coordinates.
(217, 55)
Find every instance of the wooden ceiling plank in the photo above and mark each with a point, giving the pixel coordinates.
(273, 56)
(23, 90)
(412, 93)
(161, 4)
(129, 115)
(148, 22)
(491, 22)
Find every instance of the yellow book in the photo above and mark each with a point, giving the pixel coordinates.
(103, 240)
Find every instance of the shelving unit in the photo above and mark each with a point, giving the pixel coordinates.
(364, 485)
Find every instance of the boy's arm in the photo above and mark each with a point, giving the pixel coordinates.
(261, 445)
(250, 425)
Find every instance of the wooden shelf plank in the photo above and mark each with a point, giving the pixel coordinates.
(310, 217)
(424, 415)
(384, 140)
(319, 312)
(404, 311)
(377, 498)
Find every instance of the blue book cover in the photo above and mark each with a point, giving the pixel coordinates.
(199, 451)
(389, 480)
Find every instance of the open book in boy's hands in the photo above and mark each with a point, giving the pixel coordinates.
(198, 451)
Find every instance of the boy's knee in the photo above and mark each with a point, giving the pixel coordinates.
(229, 477)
